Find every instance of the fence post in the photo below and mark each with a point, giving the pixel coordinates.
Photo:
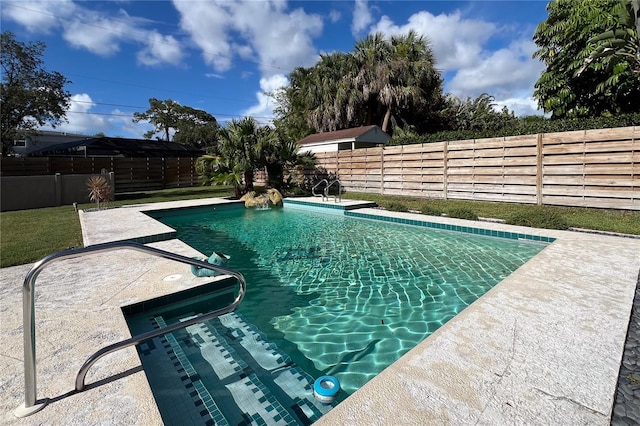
(539, 170)
(112, 181)
(57, 178)
(445, 172)
(382, 171)
(164, 174)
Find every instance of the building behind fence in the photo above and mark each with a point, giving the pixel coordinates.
(592, 168)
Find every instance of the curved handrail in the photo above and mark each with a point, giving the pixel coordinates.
(82, 373)
(324, 193)
(326, 190)
(28, 313)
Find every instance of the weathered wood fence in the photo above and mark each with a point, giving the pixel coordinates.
(131, 174)
(592, 168)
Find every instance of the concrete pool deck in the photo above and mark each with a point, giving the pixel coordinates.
(544, 346)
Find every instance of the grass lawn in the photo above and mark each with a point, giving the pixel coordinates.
(29, 235)
(621, 221)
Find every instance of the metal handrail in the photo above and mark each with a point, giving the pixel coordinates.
(324, 193)
(326, 190)
(31, 405)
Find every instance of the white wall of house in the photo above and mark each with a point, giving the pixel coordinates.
(334, 146)
(319, 147)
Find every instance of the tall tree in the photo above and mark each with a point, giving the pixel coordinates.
(618, 49)
(163, 116)
(477, 114)
(381, 81)
(30, 96)
(567, 88)
(180, 123)
(394, 74)
(196, 127)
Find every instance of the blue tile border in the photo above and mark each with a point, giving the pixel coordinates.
(456, 228)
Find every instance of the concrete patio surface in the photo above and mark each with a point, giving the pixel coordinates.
(544, 346)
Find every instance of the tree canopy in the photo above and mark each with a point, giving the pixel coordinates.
(180, 123)
(572, 85)
(30, 96)
(382, 81)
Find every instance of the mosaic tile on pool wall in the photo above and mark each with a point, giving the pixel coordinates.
(202, 395)
(257, 390)
(456, 228)
(211, 208)
(154, 238)
(328, 204)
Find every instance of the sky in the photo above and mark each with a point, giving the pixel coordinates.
(224, 56)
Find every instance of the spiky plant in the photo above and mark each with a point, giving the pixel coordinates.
(99, 190)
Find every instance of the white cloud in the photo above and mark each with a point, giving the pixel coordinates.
(82, 120)
(122, 123)
(207, 24)
(263, 31)
(96, 32)
(522, 106)
(265, 105)
(79, 120)
(501, 73)
(38, 16)
(102, 34)
(334, 16)
(362, 17)
(161, 49)
(460, 48)
(456, 42)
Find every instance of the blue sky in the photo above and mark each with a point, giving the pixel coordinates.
(222, 56)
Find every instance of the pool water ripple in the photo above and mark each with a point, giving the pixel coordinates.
(351, 295)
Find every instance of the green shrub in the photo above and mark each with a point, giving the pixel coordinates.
(522, 126)
(430, 211)
(298, 191)
(538, 218)
(463, 214)
(395, 206)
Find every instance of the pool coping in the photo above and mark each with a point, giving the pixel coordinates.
(543, 346)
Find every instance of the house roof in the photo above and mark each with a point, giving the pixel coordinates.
(106, 146)
(353, 134)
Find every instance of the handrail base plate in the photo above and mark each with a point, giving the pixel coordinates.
(23, 411)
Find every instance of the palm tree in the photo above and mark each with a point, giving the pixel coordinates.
(239, 144)
(393, 74)
(216, 170)
(328, 91)
(282, 155)
(381, 81)
(244, 147)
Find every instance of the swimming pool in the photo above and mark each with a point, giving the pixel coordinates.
(345, 296)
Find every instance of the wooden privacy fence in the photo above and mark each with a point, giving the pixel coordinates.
(592, 168)
(131, 174)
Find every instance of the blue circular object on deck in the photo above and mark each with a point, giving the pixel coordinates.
(326, 389)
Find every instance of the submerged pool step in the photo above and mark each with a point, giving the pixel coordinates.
(200, 388)
(262, 383)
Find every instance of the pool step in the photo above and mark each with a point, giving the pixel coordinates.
(252, 381)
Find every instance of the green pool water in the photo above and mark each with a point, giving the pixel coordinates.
(346, 296)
